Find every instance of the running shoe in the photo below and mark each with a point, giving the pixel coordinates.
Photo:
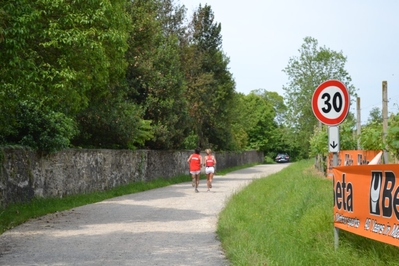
(196, 191)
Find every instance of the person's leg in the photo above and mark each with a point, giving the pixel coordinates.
(208, 182)
(193, 180)
(197, 177)
(210, 179)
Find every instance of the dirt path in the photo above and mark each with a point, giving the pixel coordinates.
(165, 226)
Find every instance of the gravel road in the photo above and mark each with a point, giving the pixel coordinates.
(165, 226)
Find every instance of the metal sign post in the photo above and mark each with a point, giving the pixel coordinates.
(333, 146)
(330, 105)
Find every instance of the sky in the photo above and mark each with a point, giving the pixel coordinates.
(260, 36)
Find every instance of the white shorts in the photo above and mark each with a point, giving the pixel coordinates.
(195, 172)
(209, 170)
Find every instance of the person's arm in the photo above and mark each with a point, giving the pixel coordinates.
(214, 160)
(189, 159)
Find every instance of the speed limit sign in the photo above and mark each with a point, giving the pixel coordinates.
(330, 102)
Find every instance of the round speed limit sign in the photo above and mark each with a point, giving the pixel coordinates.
(330, 102)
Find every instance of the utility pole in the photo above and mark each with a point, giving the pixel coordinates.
(358, 126)
(385, 118)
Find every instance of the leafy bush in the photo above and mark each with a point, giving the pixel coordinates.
(114, 125)
(393, 135)
(268, 160)
(40, 128)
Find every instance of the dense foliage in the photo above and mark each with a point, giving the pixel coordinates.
(142, 74)
(120, 74)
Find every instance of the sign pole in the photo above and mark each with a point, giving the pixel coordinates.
(330, 105)
(334, 147)
(336, 230)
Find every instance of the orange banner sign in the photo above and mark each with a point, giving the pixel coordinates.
(366, 201)
(350, 157)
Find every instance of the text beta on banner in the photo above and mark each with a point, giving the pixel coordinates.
(366, 201)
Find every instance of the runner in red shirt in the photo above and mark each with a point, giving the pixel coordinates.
(195, 162)
(210, 162)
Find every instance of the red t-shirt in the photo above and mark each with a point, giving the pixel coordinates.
(195, 162)
(209, 161)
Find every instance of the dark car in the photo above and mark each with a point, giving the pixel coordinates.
(282, 158)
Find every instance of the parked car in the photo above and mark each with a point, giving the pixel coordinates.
(282, 158)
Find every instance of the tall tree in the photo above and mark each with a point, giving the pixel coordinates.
(375, 116)
(371, 137)
(154, 75)
(172, 16)
(61, 59)
(63, 53)
(210, 84)
(305, 72)
(261, 126)
(281, 138)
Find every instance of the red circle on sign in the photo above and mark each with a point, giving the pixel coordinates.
(328, 114)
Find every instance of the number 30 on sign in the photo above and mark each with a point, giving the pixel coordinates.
(330, 102)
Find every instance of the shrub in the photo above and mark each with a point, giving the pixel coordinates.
(40, 128)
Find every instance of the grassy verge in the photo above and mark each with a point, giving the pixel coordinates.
(287, 219)
(16, 214)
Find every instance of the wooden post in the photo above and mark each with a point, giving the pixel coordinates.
(385, 118)
(358, 124)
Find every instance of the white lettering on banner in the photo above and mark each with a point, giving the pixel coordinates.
(378, 228)
(352, 222)
(395, 231)
(382, 229)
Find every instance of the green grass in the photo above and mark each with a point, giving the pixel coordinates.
(16, 214)
(284, 219)
(287, 219)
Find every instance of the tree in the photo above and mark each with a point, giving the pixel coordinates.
(371, 133)
(66, 62)
(371, 137)
(280, 137)
(116, 124)
(39, 128)
(277, 101)
(375, 116)
(63, 53)
(210, 85)
(2, 23)
(392, 138)
(155, 76)
(239, 122)
(313, 66)
(260, 124)
(348, 141)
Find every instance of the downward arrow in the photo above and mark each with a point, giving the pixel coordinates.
(333, 145)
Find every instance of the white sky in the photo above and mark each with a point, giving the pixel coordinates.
(259, 37)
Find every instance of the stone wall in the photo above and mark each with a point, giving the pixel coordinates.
(25, 174)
